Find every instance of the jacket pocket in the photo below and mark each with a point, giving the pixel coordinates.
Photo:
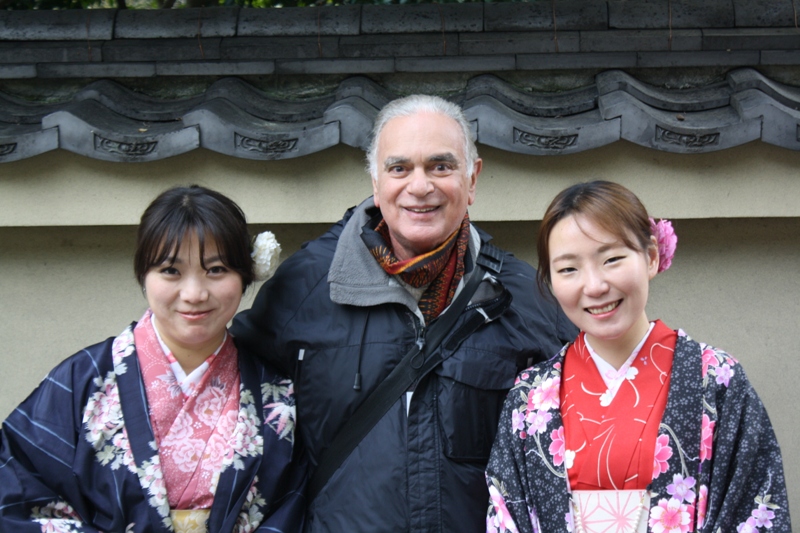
(471, 391)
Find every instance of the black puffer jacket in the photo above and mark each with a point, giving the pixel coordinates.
(421, 467)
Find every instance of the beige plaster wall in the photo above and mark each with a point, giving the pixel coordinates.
(66, 281)
(64, 189)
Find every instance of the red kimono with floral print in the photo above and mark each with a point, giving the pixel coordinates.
(614, 440)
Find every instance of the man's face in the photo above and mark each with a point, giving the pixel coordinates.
(423, 188)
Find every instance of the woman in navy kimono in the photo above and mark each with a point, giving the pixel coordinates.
(633, 427)
(164, 427)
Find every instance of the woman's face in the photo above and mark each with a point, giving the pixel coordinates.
(192, 305)
(600, 283)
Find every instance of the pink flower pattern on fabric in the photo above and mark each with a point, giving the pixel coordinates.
(183, 425)
(667, 242)
(545, 397)
(747, 527)
(125, 457)
(210, 402)
(724, 374)
(501, 521)
(670, 516)
(709, 360)
(57, 517)
(661, 456)
(702, 505)
(538, 421)
(558, 446)
(707, 439)
(681, 488)
(518, 422)
(763, 516)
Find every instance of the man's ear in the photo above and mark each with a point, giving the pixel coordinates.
(473, 180)
(375, 199)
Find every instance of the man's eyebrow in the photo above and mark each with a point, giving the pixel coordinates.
(392, 161)
(444, 158)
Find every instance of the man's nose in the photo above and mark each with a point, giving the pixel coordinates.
(420, 183)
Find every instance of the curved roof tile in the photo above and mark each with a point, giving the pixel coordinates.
(571, 48)
(91, 129)
(105, 120)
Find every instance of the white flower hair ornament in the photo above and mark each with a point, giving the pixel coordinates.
(667, 242)
(266, 255)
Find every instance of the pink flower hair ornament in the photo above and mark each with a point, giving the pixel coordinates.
(667, 242)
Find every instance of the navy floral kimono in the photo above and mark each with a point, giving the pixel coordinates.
(79, 454)
(720, 468)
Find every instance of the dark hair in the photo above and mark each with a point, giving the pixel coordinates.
(210, 215)
(611, 206)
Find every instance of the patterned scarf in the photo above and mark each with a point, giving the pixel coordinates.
(441, 269)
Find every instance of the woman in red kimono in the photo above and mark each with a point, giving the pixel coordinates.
(164, 428)
(633, 427)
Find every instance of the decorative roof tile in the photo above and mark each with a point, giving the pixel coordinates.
(139, 85)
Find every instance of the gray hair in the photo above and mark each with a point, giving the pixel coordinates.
(417, 103)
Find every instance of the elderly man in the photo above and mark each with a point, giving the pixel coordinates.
(399, 382)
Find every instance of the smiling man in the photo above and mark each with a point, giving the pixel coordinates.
(359, 302)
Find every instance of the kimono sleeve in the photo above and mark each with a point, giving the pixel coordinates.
(505, 475)
(37, 447)
(288, 512)
(747, 486)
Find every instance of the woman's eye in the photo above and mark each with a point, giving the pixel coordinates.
(219, 269)
(169, 271)
(615, 259)
(566, 270)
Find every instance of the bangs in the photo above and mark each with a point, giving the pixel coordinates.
(188, 213)
(170, 246)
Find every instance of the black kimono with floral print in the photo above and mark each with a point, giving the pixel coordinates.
(721, 468)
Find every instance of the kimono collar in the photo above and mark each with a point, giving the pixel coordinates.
(187, 382)
(613, 377)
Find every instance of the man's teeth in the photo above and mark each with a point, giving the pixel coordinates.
(601, 310)
(426, 210)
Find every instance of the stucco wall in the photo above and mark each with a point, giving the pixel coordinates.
(64, 189)
(67, 232)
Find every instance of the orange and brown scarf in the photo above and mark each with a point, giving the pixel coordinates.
(441, 269)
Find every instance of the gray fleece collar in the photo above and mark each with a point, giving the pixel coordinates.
(356, 278)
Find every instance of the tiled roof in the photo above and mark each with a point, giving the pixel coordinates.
(616, 41)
